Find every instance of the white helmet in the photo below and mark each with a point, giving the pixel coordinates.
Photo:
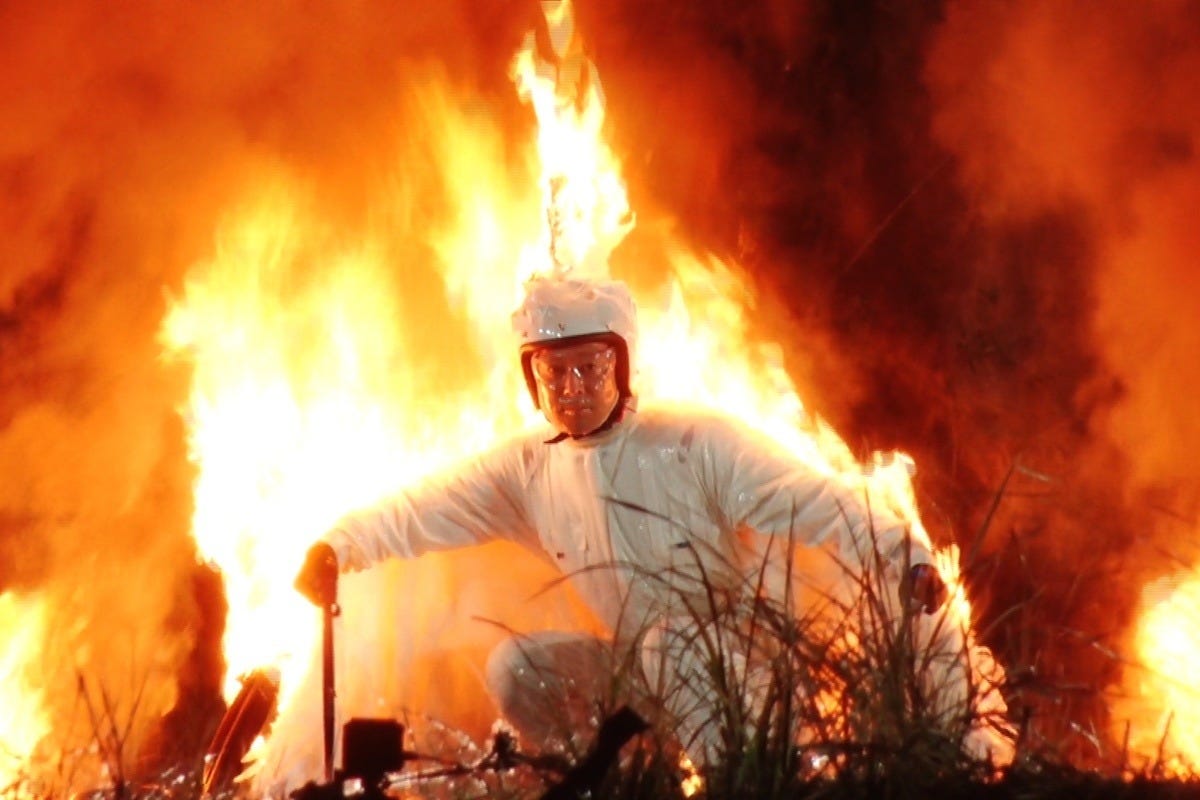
(566, 310)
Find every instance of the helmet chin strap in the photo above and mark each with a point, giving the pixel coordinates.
(623, 404)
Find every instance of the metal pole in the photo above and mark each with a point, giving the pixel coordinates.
(328, 690)
(318, 581)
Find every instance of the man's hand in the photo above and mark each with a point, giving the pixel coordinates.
(924, 589)
(317, 579)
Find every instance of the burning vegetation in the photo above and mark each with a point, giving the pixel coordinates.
(259, 265)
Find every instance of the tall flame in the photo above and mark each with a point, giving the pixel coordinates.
(586, 211)
(309, 395)
(298, 413)
(24, 722)
(1159, 717)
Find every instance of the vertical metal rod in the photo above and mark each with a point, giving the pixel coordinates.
(318, 581)
(328, 692)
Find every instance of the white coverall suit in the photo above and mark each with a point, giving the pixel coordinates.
(631, 514)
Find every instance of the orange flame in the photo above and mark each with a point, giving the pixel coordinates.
(307, 398)
(586, 211)
(1162, 705)
(24, 722)
(286, 421)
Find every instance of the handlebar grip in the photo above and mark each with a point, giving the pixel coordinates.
(318, 578)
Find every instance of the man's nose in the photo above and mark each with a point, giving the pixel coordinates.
(573, 382)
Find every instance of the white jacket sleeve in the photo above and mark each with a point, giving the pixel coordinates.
(759, 485)
(472, 503)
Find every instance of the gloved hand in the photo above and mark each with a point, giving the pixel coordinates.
(924, 589)
(317, 579)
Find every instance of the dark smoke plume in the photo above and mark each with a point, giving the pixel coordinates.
(973, 220)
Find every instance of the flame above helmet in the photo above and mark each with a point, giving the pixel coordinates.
(560, 310)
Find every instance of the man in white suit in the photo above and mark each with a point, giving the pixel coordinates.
(645, 511)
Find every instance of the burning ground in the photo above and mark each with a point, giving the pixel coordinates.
(969, 225)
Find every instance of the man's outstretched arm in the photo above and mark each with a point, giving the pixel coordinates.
(470, 504)
(766, 489)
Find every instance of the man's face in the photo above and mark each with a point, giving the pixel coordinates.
(576, 385)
